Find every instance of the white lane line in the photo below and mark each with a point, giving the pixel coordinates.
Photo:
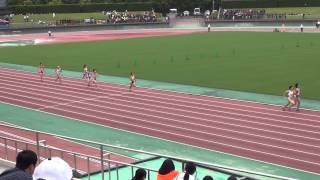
(176, 127)
(70, 103)
(312, 126)
(179, 121)
(210, 98)
(16, 136)
(180, 135)
(213, 121)
(212, 110)
(159, 138)
(214, 106)
(207, 120)
(162, 92)
(202, 119)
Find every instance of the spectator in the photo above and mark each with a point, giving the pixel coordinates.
(25, 164)
(207, 178)
(53, 169)
(167, 171)
(141, 174)
(190, 169)
(232, 178)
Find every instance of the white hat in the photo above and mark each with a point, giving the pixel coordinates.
(53, 169)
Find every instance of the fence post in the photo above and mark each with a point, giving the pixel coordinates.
(109, 166)
(75, 161)
(38, 146)
(102, 163)
(132, 173)
(16, 147)
(88, 161)
(6, 148)
(117, 171)
(61, 154)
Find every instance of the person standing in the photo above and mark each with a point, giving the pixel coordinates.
(49, 33)
(301, 28)
(209, 27)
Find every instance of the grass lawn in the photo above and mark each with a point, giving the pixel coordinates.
(255, 62)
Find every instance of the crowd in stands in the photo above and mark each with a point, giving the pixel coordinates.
(57, 169)
(236, 14)
(112, 17)
(127, 17)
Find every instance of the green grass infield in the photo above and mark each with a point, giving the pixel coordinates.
(254, 62)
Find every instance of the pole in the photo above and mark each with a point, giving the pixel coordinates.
(212, 5)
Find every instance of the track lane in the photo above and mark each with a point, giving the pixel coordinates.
(112, 110)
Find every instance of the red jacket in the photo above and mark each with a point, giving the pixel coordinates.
(169, 176)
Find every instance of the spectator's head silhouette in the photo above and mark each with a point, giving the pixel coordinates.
(166, 167)
(26, 161)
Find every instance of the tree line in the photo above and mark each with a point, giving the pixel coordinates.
(181, 4)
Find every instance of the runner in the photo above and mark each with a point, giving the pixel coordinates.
(298, 96)
(85, 71)
(93, 78)
(58, 72)
(132, 81)
(291, 99)
(41, 71)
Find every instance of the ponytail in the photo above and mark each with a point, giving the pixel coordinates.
(186, 176)
(189, 170)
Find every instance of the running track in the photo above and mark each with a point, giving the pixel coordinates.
(252, 130)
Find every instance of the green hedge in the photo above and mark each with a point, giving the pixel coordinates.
(80, 8)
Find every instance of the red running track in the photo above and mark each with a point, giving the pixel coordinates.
(251, 130)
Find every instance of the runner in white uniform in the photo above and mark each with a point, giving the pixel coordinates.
(132, 81)
(290, 93)
(58, 72)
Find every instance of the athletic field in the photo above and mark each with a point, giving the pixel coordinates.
(261, 62)
(175, 109)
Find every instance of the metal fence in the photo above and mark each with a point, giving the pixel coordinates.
(12, 146)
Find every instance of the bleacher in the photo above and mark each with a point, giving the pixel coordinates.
(234, 4)
(105, 164)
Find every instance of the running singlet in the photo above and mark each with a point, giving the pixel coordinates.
(58, 72)
(41, 69)
(290, 94)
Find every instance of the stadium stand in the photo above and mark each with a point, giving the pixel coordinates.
(234, 4)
